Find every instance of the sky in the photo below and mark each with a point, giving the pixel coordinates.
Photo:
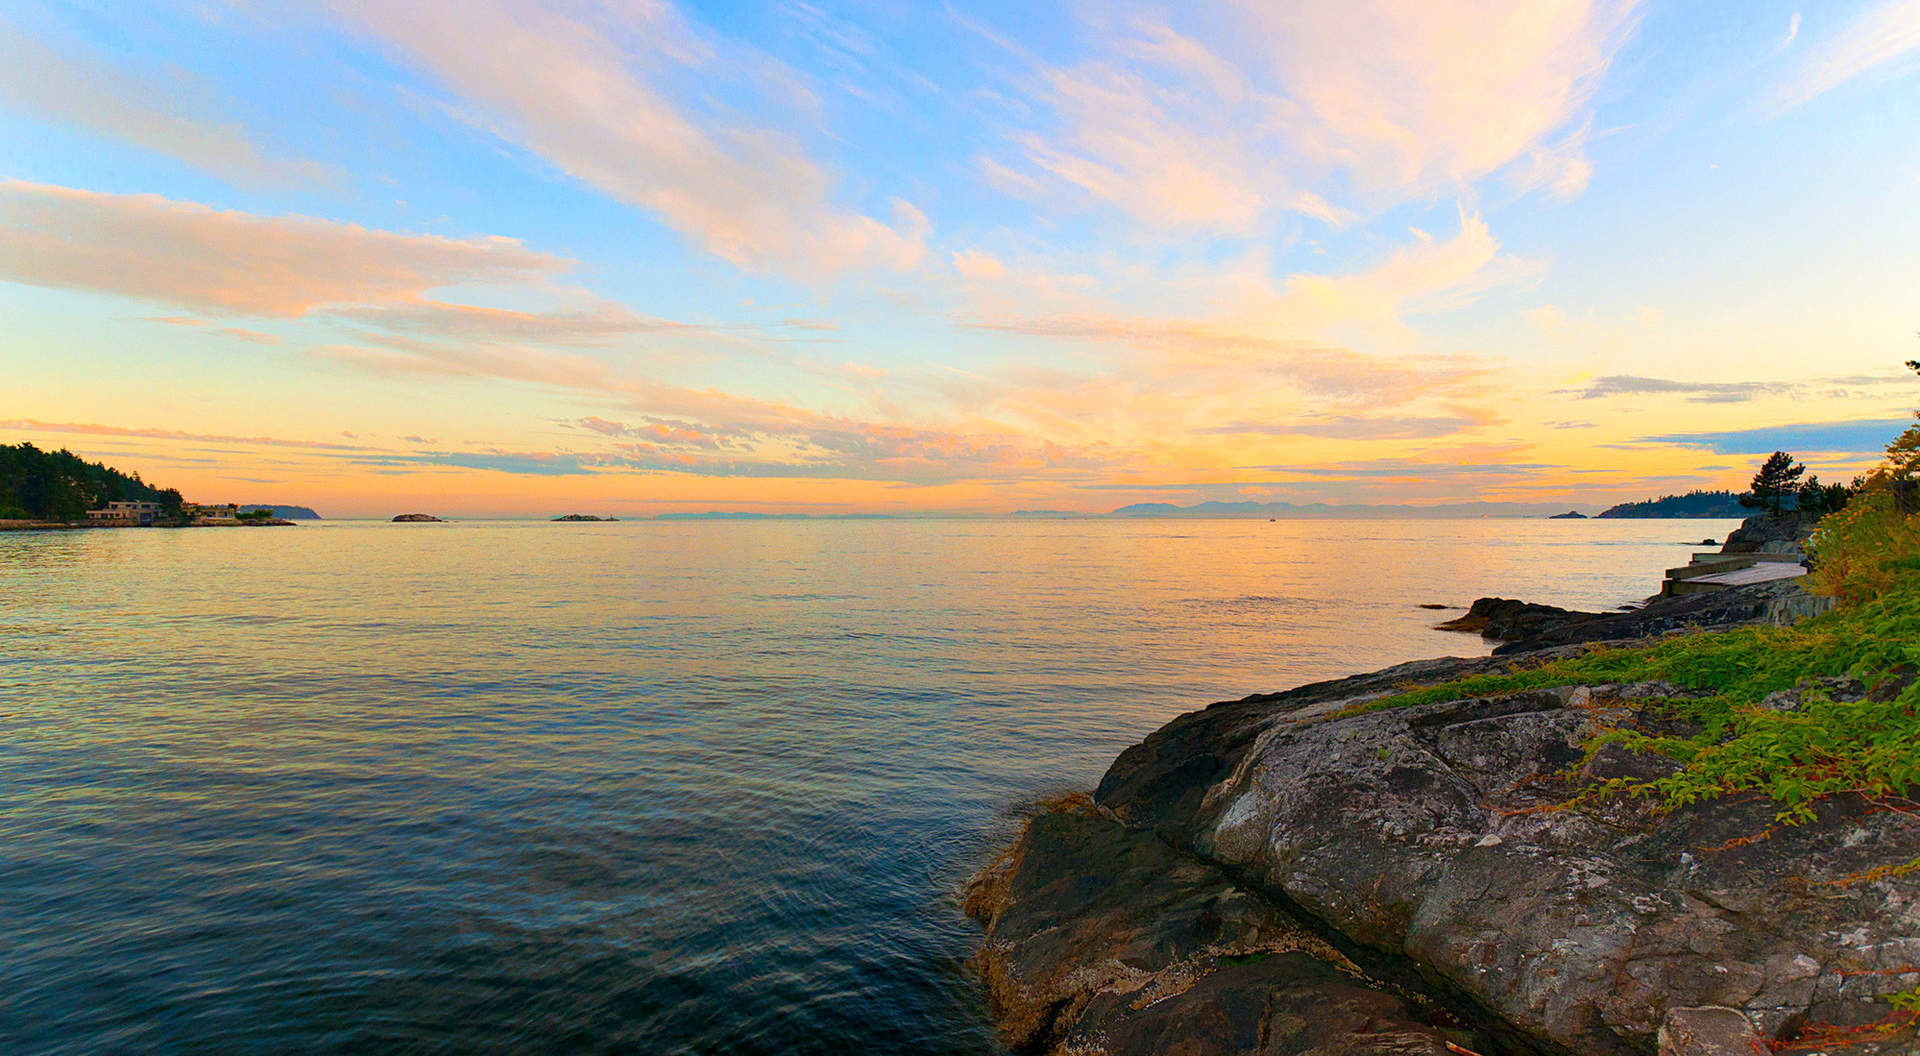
(526, 257)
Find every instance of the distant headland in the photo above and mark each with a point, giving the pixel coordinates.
(291, 513)
(1702, 504)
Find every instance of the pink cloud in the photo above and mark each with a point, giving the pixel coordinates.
(92, 429)
(586, 94)
(205, 259)
(1279, 105)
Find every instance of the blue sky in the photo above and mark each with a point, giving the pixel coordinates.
(503, 255)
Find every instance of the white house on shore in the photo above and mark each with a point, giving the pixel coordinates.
(118, 514)
(200, 513)
(130, 514)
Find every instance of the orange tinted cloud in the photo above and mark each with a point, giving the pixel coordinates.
(93, 429)
(205, 259)
(1401, 97)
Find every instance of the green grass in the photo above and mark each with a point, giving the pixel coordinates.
(1795, 757)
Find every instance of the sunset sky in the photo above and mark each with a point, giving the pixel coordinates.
(492, 257)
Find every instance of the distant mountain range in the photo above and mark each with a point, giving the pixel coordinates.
(736, 515)
(1199, 510)
(1699, 504)
(1321, 509)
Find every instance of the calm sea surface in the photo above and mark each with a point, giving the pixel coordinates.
(643, 787)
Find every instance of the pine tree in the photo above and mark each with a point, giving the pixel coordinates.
(1777, 482)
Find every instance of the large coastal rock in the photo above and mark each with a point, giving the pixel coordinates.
(1769, 533)
(1107, 940)
(1714, 610)
(416, 518)
(1439, 838)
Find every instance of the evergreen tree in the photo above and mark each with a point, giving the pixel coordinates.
(62, 486)
(1817, 500)
(1776, 485)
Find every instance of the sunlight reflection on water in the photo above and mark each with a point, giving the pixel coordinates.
(663, 787)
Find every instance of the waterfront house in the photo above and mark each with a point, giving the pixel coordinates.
(122, 514)
(200, 513)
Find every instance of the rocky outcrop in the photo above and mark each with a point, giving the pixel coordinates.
(1716, 610)
(584, 517)
(1770, 533)
(1508, 620)
(1440, 838)
(1106, 940)
(416, 518)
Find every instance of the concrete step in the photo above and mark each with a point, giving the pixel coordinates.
(1759, 572)
(1716, 555)
(1707, 568)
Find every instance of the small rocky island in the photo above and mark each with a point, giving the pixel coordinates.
(417, 518)
(584, 517)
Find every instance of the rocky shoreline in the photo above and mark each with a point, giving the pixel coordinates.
(1293, 873)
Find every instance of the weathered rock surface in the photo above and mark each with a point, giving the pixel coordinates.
(1105, 940)
(1769, 533)
(1689, 612)
(1509, 620)
(1710, 1032)
(1435, 837)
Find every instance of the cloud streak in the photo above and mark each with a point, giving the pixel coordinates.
(93, 429)
(1281, 105)
(1615, 385)
(211, 260)
(1359, 427)
(1876, 38)
(1863, 437)
(589, 92)
(164, 115)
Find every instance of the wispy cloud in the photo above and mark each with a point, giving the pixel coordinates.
(589, 93)
(1613, 385)
(1874, 39)
(211, 260)
(1695, 391)
(1412, 469)
(92, 429)
(1360, 427)
(1867, 437)
(1284, 331)
(1378, 99)
(593, 325)
(170, 114)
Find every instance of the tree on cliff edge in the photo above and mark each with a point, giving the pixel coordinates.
(1775, 485)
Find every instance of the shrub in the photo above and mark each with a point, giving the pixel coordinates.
(1864, 550)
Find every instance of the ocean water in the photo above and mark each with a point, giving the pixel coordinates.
(637, 787)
